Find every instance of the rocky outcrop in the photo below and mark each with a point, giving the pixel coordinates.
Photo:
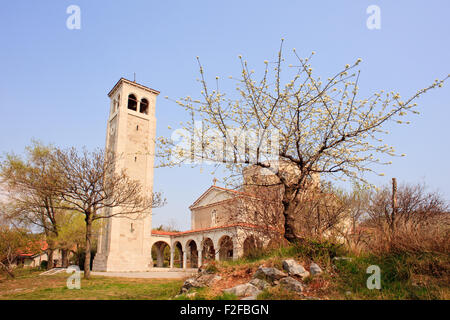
(270, 275)
(199, 281)
(260, 284)
(315, 269)
(292, 284)
(294, 269)
(243, 290)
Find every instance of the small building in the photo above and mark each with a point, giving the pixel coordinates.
(34, 258)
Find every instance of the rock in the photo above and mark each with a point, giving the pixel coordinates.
(291, 284)
(315, 269)
(342, 258)
(243, 290)
(269, 274)
(260, 284)
(199, 281)
(255, 297)
(294, 268)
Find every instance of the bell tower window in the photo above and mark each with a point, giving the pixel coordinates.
(144, 106)
(132, 102)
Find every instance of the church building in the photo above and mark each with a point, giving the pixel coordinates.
(222, 227)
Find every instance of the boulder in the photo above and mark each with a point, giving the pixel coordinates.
(294, 268)
(243, 290)
(291, 284)
(260, 284)
(269, 274)
(342, 258)
(314, 269)
(199, 281)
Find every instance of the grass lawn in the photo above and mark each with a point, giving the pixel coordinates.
(28, 285)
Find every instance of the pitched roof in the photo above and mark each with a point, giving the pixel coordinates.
(235, 192)
(28, 251)
(241, 224)
(132, 83)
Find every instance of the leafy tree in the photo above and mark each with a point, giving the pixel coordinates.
(13, 242)
(28, 184)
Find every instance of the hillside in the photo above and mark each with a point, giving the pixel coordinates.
(344, 275)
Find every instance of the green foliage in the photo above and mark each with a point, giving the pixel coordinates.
(319, 251)
(97, 288)
(277, 293)
(225, 296)
(211, 268)
(398, 276)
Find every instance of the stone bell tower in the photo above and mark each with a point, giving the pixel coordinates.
(124, 244)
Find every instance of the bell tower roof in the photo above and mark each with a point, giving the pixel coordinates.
(123, 80)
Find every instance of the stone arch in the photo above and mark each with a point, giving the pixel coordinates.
(160, 254)
(191, 249)
(143, 107)
(132, 102)
(208, 251)
(178, 254)
(251, 244)
(225, 248)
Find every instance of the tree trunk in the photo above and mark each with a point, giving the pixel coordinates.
(50, 258)
(8, 270)
(289, 218)
(87, 258)
(394, 205)
(64, 258)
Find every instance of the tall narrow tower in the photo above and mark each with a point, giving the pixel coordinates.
(124, 244)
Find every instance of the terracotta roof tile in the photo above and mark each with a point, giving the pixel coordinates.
(245, 225)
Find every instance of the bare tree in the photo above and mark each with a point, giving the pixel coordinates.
(259, 210)
(324, 214)
(92, 186)
(420, 218)
(312, 125)
(357, 202)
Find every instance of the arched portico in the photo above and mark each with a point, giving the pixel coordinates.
(225, 248)
(208, 251)
(177, 255)
(161, 255)
(192, 256)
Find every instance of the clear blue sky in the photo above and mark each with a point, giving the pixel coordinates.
(54, 81)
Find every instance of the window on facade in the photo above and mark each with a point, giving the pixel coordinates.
(144, 106)
(132, 102)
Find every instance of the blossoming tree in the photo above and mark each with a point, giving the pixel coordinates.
(316, 126)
